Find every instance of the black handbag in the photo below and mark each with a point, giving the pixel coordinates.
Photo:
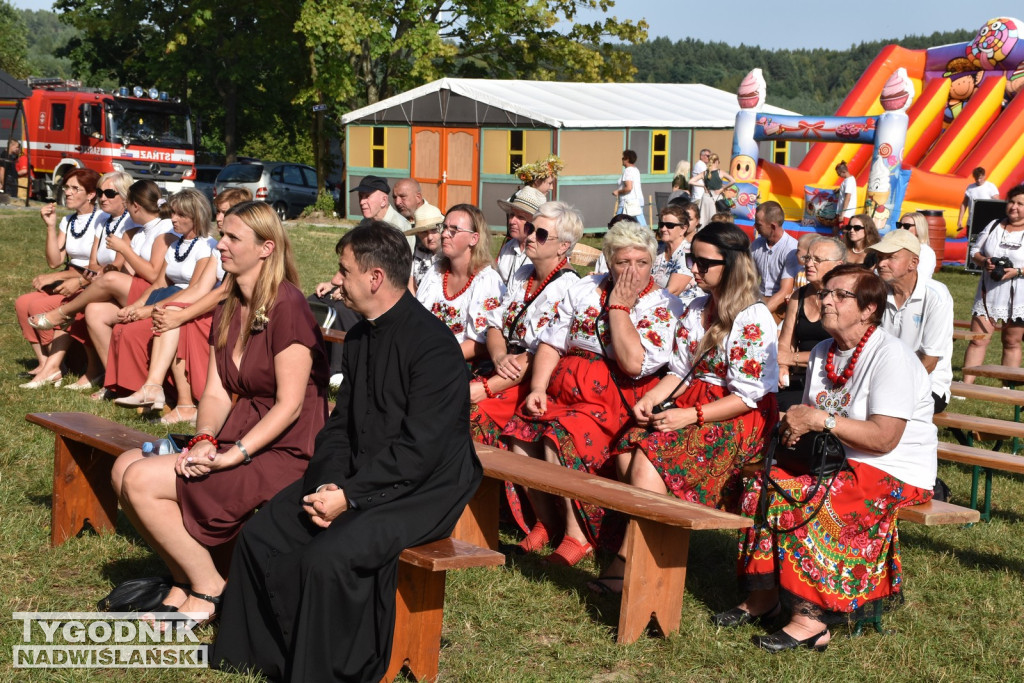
(818, 454)
(137, 595)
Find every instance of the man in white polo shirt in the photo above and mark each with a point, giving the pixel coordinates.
(919, 311)
(774, 253)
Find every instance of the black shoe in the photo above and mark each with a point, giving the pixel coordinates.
(780, 640)
(737, 616)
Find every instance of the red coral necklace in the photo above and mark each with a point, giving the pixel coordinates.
(646, 290)
(527, 297)
(830, 368)
(459, 293)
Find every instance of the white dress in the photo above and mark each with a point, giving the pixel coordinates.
(994, 299)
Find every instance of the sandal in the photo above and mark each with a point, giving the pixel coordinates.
(41, 322)
(175, 416)
(141, 399)
(212, 615)
(569, 552)
(600, 585)
(535, 540)
(89, 383)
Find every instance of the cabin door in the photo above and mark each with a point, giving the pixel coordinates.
(445, 161)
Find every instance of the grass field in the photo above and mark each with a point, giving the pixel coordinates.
(961, 620)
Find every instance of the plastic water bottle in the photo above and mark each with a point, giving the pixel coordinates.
(158, 447)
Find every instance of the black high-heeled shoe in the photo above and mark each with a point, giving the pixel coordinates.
(780, 641)
(737, 616)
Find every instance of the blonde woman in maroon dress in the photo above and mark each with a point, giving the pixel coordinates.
(264, 403)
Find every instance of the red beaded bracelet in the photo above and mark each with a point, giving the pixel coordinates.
(700, 415)
(618, 307)
(201, 437)
(487, 389)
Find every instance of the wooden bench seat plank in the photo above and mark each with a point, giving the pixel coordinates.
(332, 336)
(967, 335)
(987, 425)
(983, 392)
(936, 512)
(607, 493)
(980, 457)
(92, 430)
(1003, 372)
(451, 553)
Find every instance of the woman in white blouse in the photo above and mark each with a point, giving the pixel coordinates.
(463, 286)
(600, 355)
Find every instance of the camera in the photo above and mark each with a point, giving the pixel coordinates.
(1000, 264)
(663, 406)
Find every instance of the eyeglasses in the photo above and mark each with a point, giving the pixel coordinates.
(665, 225)
(450, 230)
(109, 194)
(703, 264)
(542, 233)
(853, 227)
(817, 261)
(907, 226)
(72, 189)
(837, 294)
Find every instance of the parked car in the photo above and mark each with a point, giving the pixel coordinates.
(206, 180)
(289, 188)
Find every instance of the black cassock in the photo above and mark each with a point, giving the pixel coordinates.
(310, 604)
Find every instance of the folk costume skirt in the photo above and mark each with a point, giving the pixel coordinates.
(843, 560)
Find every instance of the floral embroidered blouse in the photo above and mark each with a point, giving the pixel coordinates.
(466, 314)
(576, 325)
(746, 363)
(539, 313)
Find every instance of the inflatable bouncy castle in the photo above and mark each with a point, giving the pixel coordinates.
(911, 131)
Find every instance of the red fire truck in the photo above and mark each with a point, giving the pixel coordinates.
(142, 133)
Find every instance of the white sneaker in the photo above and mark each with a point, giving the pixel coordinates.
(959, 398)
(335, 380)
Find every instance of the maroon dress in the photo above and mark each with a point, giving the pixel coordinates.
(215, 507)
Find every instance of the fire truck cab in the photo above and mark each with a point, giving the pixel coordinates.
(143, 133)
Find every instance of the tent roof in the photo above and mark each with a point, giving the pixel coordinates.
(11, 88)
(557, 105)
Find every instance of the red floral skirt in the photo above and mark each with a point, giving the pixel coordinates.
(846, 558)
(487, 420)
(585, 414)
(702, 464)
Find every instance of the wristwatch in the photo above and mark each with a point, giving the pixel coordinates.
(830, 423)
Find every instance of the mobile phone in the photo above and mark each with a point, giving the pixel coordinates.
(89, 274)
(180, 440)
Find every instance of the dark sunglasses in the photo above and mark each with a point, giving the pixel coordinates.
(109, 194)
(662, 225)
(703, 264)
(853, 227)
(542, 233)
(907, 226)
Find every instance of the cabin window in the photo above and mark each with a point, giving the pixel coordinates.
(378, 147)
(515, 150)
(659, 151)
(57, 114)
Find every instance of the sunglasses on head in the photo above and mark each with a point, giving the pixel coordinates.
(542, 233)
(702, 264)
(907, 226)
(665, 225)
(108, 193)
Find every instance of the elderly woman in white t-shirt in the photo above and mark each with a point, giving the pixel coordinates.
(870, 391)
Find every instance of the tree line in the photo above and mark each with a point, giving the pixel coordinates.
(253, 71)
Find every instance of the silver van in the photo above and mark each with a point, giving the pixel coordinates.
(289, 188)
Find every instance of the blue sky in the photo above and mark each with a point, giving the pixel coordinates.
(792, 23)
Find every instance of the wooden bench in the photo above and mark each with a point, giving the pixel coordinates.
(967, 335)
(657, 537)
(83, 497)
(981, 459)
(969, 428)
(332, 336)
(983, 392)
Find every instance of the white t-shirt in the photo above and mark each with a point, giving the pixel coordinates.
(974, 192)
(190, 252)
(632, 203)
(142, 241)
(888, 380)
(80, 234)
(697, 186)
(466, 314)
(108, 227)
(510, 259)
(848, 188)
(926, 261)
(775, 263)
(925, 325)
(747, 361)
(539, 314)
(579, 320)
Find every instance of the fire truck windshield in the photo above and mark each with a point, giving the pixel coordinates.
(152, 125)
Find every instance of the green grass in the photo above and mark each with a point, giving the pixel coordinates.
(961, 620)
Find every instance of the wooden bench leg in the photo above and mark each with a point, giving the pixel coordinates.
(81, 491)
(419, 616)
(479, 522)
(654, 580)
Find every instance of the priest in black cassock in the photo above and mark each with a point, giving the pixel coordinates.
(311, 591)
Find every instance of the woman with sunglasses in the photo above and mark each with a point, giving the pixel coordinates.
(464, 285)
(917, 224)
(1002, 299)
(598, 357)
(139, 259)
(802, 328)
(870, 391)
(670, 269)
(859, 234)
(71, 240)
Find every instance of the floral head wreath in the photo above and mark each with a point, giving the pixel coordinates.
(551, 166)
